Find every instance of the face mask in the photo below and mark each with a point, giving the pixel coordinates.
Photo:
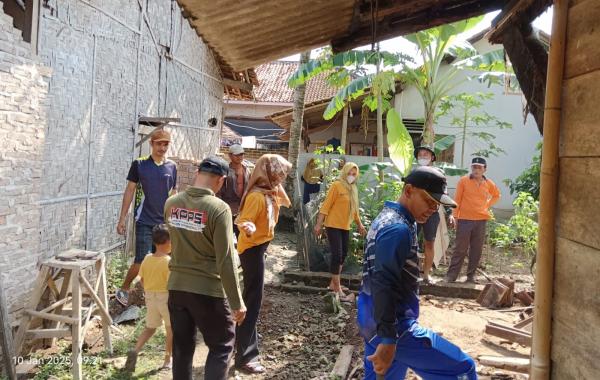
(351, 179)
(423, 161)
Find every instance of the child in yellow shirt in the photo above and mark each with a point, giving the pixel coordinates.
(154, 272)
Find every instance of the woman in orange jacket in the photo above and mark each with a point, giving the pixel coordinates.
(259, 212)
(338, 211)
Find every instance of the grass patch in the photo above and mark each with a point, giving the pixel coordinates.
(102, 365)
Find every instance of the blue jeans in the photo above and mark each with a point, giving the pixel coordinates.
(143, 241)
(418, 348)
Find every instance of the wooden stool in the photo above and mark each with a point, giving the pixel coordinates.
(70, 267)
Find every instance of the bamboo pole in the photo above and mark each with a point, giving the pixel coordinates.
(542, 321)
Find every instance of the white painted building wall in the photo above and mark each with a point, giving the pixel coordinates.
(519, 142)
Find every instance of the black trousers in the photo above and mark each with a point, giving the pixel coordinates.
(338, 245)
(212, 316)
(253, 266)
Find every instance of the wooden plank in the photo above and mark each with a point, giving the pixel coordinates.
(64, 290)
(6, 335)
(48, 333)
(575, 310)
(512, 364)
(52, 317)
(582, 53)
(76, 327)
(508, 327)
(342, 363)
(53, 287)
(56, 304)
(96, 299)
(521, 338)
(103, 304)
(244, 86)
(523, 323)
(511, 13)
(150, 120)
(580, 115)
(578, 214)
(38, 289)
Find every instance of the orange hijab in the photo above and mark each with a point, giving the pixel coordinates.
(269, 173)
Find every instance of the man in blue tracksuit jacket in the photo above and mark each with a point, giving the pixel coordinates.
(388, 304)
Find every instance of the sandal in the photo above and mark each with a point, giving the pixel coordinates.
(253, 368)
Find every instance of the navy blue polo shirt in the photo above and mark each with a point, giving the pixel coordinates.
(154, 183)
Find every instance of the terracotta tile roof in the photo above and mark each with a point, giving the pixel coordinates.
(229, 133)
(272, 79)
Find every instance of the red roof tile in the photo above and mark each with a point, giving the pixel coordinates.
(272, 79)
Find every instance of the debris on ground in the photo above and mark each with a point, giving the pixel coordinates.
(132, 313)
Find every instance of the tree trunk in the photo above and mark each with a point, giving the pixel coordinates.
(428, 133)
(379, 127)
(344, 127)
(296, 129)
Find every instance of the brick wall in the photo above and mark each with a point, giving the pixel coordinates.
(68, 118)
(186, 171)
(23, 102)
(254, 154)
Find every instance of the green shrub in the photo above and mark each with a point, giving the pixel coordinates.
(522, 228)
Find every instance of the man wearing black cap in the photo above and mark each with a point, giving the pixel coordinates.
(388, 303)
(475, 194)
(204, 288)
(425, 156)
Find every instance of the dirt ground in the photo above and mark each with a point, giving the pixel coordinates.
(300, 339)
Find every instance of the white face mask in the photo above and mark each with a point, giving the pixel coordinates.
(351, 179)
(423, 161)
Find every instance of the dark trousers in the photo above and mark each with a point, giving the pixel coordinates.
(253, 266)
(212, 316)
(338, 245)
(470, 236)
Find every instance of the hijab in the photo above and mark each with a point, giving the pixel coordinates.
(312, 174)
(351, 188)
(267, 178)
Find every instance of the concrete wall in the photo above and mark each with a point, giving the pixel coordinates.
(576, 308)
(519, 142)
(23, 103)
(72, 161)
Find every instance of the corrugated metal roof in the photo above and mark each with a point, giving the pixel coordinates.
(247, 33)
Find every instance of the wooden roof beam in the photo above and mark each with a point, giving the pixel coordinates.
(515, 13)
(399, 24)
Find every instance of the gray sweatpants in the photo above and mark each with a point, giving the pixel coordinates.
(470, 236)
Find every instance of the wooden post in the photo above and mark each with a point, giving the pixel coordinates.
(7, 347)
(102, 294)
(76, 326)
(64, 290)
(38, 290)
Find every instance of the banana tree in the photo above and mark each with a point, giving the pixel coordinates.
(434, 83)
(349, 72)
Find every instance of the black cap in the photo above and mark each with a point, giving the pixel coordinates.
(424, 147)
(478, 161)
(433, 181)
(215, 165)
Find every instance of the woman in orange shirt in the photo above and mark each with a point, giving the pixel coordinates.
(338, 211)
(259, 212)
